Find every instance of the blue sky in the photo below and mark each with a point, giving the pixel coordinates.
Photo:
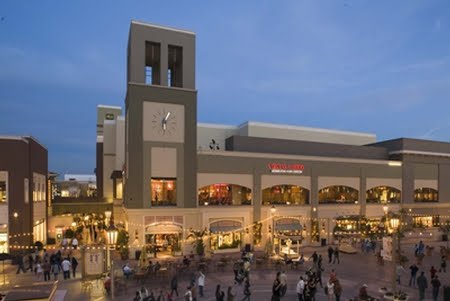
(381, 67)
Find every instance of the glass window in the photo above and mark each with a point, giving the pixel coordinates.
(164, 192)
(3, 192)
(285, 195)
(338, 195)
(426, 194)
(383, 195)
(225, 235)
(224, 194)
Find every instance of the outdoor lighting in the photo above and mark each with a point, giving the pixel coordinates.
(385, 209)
(112, 235)
(74, 224)
(314, 209)
(16, 215)
(394, 223)
(273, 209)
(395, 163)
(108, 214)
(112, 240)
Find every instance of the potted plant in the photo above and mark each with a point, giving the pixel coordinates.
(122, 243)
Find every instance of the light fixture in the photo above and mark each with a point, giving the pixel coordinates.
(273, 209)
(206, 203)
(385, 209)
(394, 223)
(108, 214)
(74, 224)
(16, 215)
(112, 234)
(314, 209)
(395, 163)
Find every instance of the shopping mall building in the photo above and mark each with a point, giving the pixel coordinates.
(254, 183)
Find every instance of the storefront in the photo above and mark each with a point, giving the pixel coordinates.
(288, 236)
(225, 235)
(163, 234)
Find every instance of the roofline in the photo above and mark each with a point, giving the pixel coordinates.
(21, 138)
(109, 107)
(269, 156)
(423, 153)
(162, 27)
(217, 126)
(296, 127)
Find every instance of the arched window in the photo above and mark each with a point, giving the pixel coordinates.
(224, 194)
(383, 195)
(338, 194)
(426, 194)
(285, 195)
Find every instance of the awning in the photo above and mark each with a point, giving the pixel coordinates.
(116, 174)
(288, 224)
(224, 226)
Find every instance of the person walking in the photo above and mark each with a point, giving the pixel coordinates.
(174, 285)
(55, 270)
(283, 283)
(20, 265)
(436, 284)
(65, 264)
(74, 263)
(336, 255)
(230, 296)
(412, 280)
(330, 254)
(220, 295)
(337, 289)
(443, 264)
(47, 268)
(75, 243)
(329, 290)
(399, 270)
(247, 292)
(201, 282)
(433, 272)
(422, 284)
(300, 288)
(39, 270)
(276, 288)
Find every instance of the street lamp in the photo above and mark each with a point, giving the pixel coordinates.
(273, 210)
(108, 214)
(394, 223)
(112, 240)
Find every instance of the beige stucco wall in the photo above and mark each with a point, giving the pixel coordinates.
(426, 183)
(374, 182)
(272, 180)
(333, 181)
(204, 179)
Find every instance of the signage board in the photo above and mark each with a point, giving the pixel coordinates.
(386, 253)
(94, 261)
(288, 168)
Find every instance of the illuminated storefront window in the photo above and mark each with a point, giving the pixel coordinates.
(3, 192)
(164, 192)
(225, 235)
(383, 195)
(358, 226)
(4, 242)
(426, 195)
(285, 195)
(425, 221)
(224, 194)
(338, 195)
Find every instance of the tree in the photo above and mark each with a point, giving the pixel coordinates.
(122, 243)
(198, 244)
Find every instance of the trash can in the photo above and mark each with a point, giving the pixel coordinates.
(444, 237)
(323, 242)
(137, 254)
(446, 292)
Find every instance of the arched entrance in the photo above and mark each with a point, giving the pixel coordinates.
(163, 238)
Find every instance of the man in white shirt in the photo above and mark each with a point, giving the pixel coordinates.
(300, 288)
(66, 268)
(201, 283)
(75, 243)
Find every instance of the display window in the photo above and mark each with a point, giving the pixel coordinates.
(3, 192)
(224, 194)
(164, 192)
(338, 195)
(285, 195)
(426, 221)
(426, 194)
(167, 243)
(4, 243)
(358, 227)
(225, 235)
(383, 195)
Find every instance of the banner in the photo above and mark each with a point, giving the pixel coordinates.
(387, 248)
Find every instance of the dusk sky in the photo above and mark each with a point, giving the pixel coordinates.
(381, 67)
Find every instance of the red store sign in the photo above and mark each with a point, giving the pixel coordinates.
(286, 168)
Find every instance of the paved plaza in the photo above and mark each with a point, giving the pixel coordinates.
(353, 271)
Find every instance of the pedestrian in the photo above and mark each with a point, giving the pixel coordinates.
(399, 270)
(74, 263)
(333, 275)
(55, 270)
(329, 290)
(20, 265)
(283, 283)
(160, 296)
(436, 284)
(188, 294)
(315, 257)
(230, 296)
(143, 293)
(137, 296)
(39, 270)
(319, 276)
(300, 288)
(336, 255)
(174, 285)
(47, 268)
(443, 264)
(65, 264)
(422, 284)
(330, 254)
(220, 295)
(432, 272)
(30, 262)
(412, 279)
(194, 291)
(247, 292)
(337, 289)
(276, 288)
(75, 243)
(201, 282)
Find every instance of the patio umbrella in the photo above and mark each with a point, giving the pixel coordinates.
(3, 257)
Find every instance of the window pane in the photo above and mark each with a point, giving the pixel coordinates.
(224, 194)
(383, 195)
(338, 195)
(164, 192)
(3, 191)
(285, 195)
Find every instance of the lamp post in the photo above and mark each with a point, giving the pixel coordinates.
(112, 240)
(394, 223)
(273, 210)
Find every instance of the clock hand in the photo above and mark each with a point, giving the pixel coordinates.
(164, 121)
(167, 116)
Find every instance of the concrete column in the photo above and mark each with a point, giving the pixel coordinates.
(257, 197)
(314, 200)
(407, 183)
(362, 193)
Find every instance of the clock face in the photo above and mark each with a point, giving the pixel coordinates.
(164, 122)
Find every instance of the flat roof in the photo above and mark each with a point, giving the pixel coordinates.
(162, 27)
(109, 107)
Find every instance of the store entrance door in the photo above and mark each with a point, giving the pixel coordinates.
(163, 240)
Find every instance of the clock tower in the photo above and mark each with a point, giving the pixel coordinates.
(160, 118)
